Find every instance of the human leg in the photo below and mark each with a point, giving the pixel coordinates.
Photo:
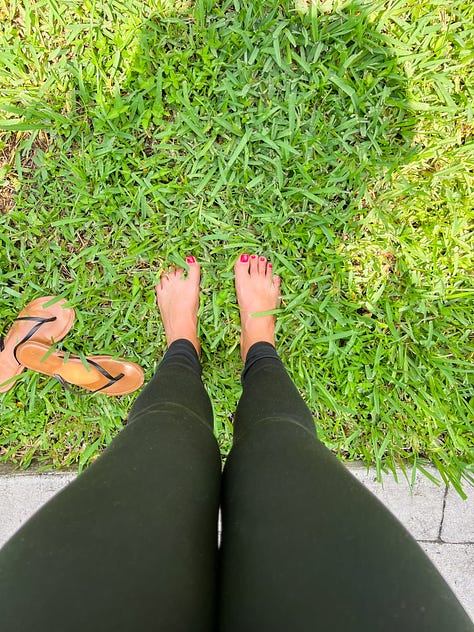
(304, 545)
(131, 543)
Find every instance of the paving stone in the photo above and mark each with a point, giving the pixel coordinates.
(458, 522)
(420, 510)
(456, 563)
(22, 495)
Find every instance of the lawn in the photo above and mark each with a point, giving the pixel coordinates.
(336, 140)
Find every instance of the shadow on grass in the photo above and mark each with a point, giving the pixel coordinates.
(267, 117)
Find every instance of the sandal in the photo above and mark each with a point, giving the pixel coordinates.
(104, 374)
(38, 321)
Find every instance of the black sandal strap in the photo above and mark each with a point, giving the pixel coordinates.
(66, 386)
(39, 321)
(101, 369)
(110, 382)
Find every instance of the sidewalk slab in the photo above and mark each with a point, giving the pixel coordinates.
(419, 509)
(455, 562)
(21, 495)
(458, 522)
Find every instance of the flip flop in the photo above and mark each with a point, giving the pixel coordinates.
(36, 321)
(104, 374)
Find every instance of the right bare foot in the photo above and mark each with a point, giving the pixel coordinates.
(258, 290)
(178, 301)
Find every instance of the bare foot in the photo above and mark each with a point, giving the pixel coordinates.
(258, 290)
(178, 301)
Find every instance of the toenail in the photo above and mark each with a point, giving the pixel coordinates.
(190, 259)
(254, 256)
(244, 258)
(262, 258)
(270, 265)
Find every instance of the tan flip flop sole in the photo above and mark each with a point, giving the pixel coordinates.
(104, 374)
(38, 322)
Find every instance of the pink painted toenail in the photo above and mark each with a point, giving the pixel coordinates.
(244, 258)
(262, 258)
(190, 259)
(270, 265)
(254, 256)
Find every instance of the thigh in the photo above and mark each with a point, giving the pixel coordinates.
(131, 544)
(306, 547)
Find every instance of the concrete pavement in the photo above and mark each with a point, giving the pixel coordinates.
(437, 517)
(441, 522)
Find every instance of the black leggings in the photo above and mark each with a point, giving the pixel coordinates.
(131, 544)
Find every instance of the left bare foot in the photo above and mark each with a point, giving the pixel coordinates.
(178, 302)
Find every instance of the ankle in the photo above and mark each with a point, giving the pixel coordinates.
(256, 333)
(190, 338)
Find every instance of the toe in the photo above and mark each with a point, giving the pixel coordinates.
(253, 269)
(269, 272)
(262, 266)
(241, 267)
(242, 264)
(194, 271)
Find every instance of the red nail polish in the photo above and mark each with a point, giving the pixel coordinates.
(270, 265)
(244, 258)
(262, 258)
(190, 259)
(253, 256)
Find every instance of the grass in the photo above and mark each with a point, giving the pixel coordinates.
(337, 140)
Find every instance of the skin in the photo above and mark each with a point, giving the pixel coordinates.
(257, 289)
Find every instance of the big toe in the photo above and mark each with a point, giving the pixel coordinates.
(241, 267)
(194, 272)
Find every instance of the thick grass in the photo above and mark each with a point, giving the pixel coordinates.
(338, 142)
